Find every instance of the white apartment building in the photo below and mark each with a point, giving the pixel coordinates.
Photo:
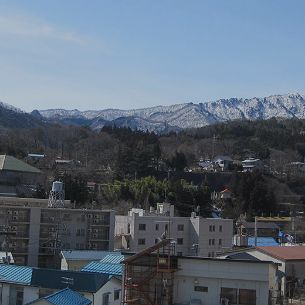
(192, 235)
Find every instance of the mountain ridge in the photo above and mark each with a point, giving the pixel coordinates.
(188, 115)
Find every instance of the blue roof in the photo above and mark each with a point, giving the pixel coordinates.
(75, 280)
(65, 297)
(262, 241)
(15, 274)
(105, 268)
(112, 259)
(90, 255)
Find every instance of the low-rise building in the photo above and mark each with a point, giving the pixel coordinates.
(65, 296)
(193, 235)
(76, 259)
(22, 285)
(264, 229)
(223, 162)
(252, 164)
(154, 276)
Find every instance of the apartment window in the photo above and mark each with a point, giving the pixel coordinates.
(166, 227)
(157, 227)
(211, 242)
(179, 241)
(16, 295)
(105, 299)
(230, 294)
(142, 226)
(179, 253)
(141, 241)
(211, 254)
(156, 240)
(220, 228)
(220, 242)
(116, 294)
(128, 228)
(212, 228)
(201, 288)
(247, 297)
(180, 227)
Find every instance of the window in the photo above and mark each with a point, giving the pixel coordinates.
(105, 299)
(201, 288)
(230, 294)
(116, 294)
(180, 241)
(211, 228)
(180, 227)
(211, 242)
(16, 295)
(179, 253)
(157, 227)
(166, 227)
(247, 297)
(156, 240)
(220, 242)
(142, 226)
(141, 241)
(220, 228)
(128, 228)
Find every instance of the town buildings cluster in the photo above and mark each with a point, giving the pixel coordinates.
(53, 253)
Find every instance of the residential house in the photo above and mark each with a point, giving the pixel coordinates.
(65, 296)
(252, 164)
(223, 162)
(22, 285)
(76, 259)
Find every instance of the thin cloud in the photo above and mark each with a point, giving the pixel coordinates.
(30, 28)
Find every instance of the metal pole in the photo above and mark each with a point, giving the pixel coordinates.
(255, 231)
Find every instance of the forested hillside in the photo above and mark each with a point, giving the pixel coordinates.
(119, 159)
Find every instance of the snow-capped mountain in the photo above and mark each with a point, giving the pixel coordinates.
(187, 115)
(12, 117)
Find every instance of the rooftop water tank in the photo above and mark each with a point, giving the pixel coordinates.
(57, 186)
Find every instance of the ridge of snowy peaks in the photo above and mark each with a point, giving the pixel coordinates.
(10, 107)
(189, 115)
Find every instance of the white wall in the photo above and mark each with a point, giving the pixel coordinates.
(196, 231)
(216, 274)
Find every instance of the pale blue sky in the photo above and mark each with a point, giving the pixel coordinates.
(130, 54)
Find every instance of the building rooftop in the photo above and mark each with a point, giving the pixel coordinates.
(262, 241)
(92, 255)
(75, 280)
(15, 274)
(285, 253)
(64, 297)
(242, 256)
(9, 163)
(112, 259)
(104, 268)
(260, 225)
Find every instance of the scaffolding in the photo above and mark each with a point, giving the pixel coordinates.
(149, 275)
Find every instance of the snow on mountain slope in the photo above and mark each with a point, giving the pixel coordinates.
(192, 115)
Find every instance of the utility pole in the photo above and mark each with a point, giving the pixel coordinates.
(255, 231)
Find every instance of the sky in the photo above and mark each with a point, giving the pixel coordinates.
(127, 54)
